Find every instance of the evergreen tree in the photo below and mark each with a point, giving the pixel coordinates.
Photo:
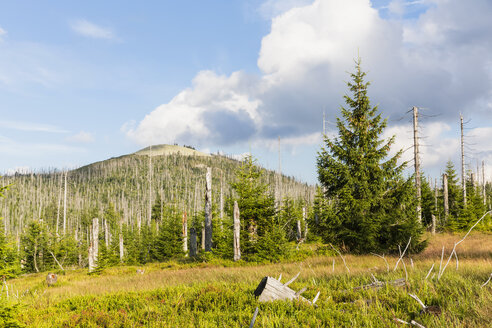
(455, 196)
(374, 208)
(428, 203)
(262, 238)
(169, 243)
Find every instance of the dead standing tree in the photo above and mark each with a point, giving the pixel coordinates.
(417, 161)
(237, 233)
(208, 210)
(93, 244)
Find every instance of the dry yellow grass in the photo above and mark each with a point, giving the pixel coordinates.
(475, 251)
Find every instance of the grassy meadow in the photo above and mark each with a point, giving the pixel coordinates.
(220, 294)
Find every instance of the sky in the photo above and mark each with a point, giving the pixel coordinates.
(85, 81)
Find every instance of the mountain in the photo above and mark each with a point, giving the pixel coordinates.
(131, 184)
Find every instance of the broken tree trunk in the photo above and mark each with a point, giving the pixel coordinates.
(237, 229)
(271, 289)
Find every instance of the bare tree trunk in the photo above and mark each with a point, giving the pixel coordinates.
(150, 186)
(433, 228)
(106, 233)
(185, 234)
(237, 233)
(208, 210)
(483, 184)
(203, 236)
(193, 242)
(59, 204)
(299, 234)
(417, 161)
(65, 206)
(35, 255)
(304, 218)
(94, 244)
(463, 179)
(445, 193)
(122, 252)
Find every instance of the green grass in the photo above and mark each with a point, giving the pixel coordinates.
(220, 294)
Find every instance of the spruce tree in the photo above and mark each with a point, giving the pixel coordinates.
(262, 237)
(374, 207)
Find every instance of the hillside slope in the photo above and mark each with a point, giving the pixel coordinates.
(130, 184)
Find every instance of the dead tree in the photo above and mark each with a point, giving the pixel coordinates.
(463, 180)
(483, 184)
(304, 218)
(185, 234)
(93, 244)
(65, 206)
(193, 242)
(237, 233)
(445, 194)
(208, 210)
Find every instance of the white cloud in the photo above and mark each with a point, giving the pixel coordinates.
(438, 60)
(213, 105)
(82, 137)
(91, 30)
(31, 127)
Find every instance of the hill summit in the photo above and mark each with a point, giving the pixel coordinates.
(163, 150)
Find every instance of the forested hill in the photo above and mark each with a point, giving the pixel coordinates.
(131, 185)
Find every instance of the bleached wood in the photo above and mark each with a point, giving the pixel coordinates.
(254, 318)
(459, 242)
(293, 279)
(415, 297)
(403, 254)
(343, 259)
(430, 270)
(237, 233)
(445, 195)
(485, 283)
(270, 289)
(382, 256)
(417, 161)
(208, 210)
(463, 180)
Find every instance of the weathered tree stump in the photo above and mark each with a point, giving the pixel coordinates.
(51, 279)
(271, 289)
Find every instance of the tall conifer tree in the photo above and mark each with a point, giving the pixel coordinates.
(374, 208)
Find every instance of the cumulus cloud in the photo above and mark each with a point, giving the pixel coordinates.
(81, 137)
(91, 30)
(438, 60)
(216, 110)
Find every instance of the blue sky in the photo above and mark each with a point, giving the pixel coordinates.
(82, 82)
